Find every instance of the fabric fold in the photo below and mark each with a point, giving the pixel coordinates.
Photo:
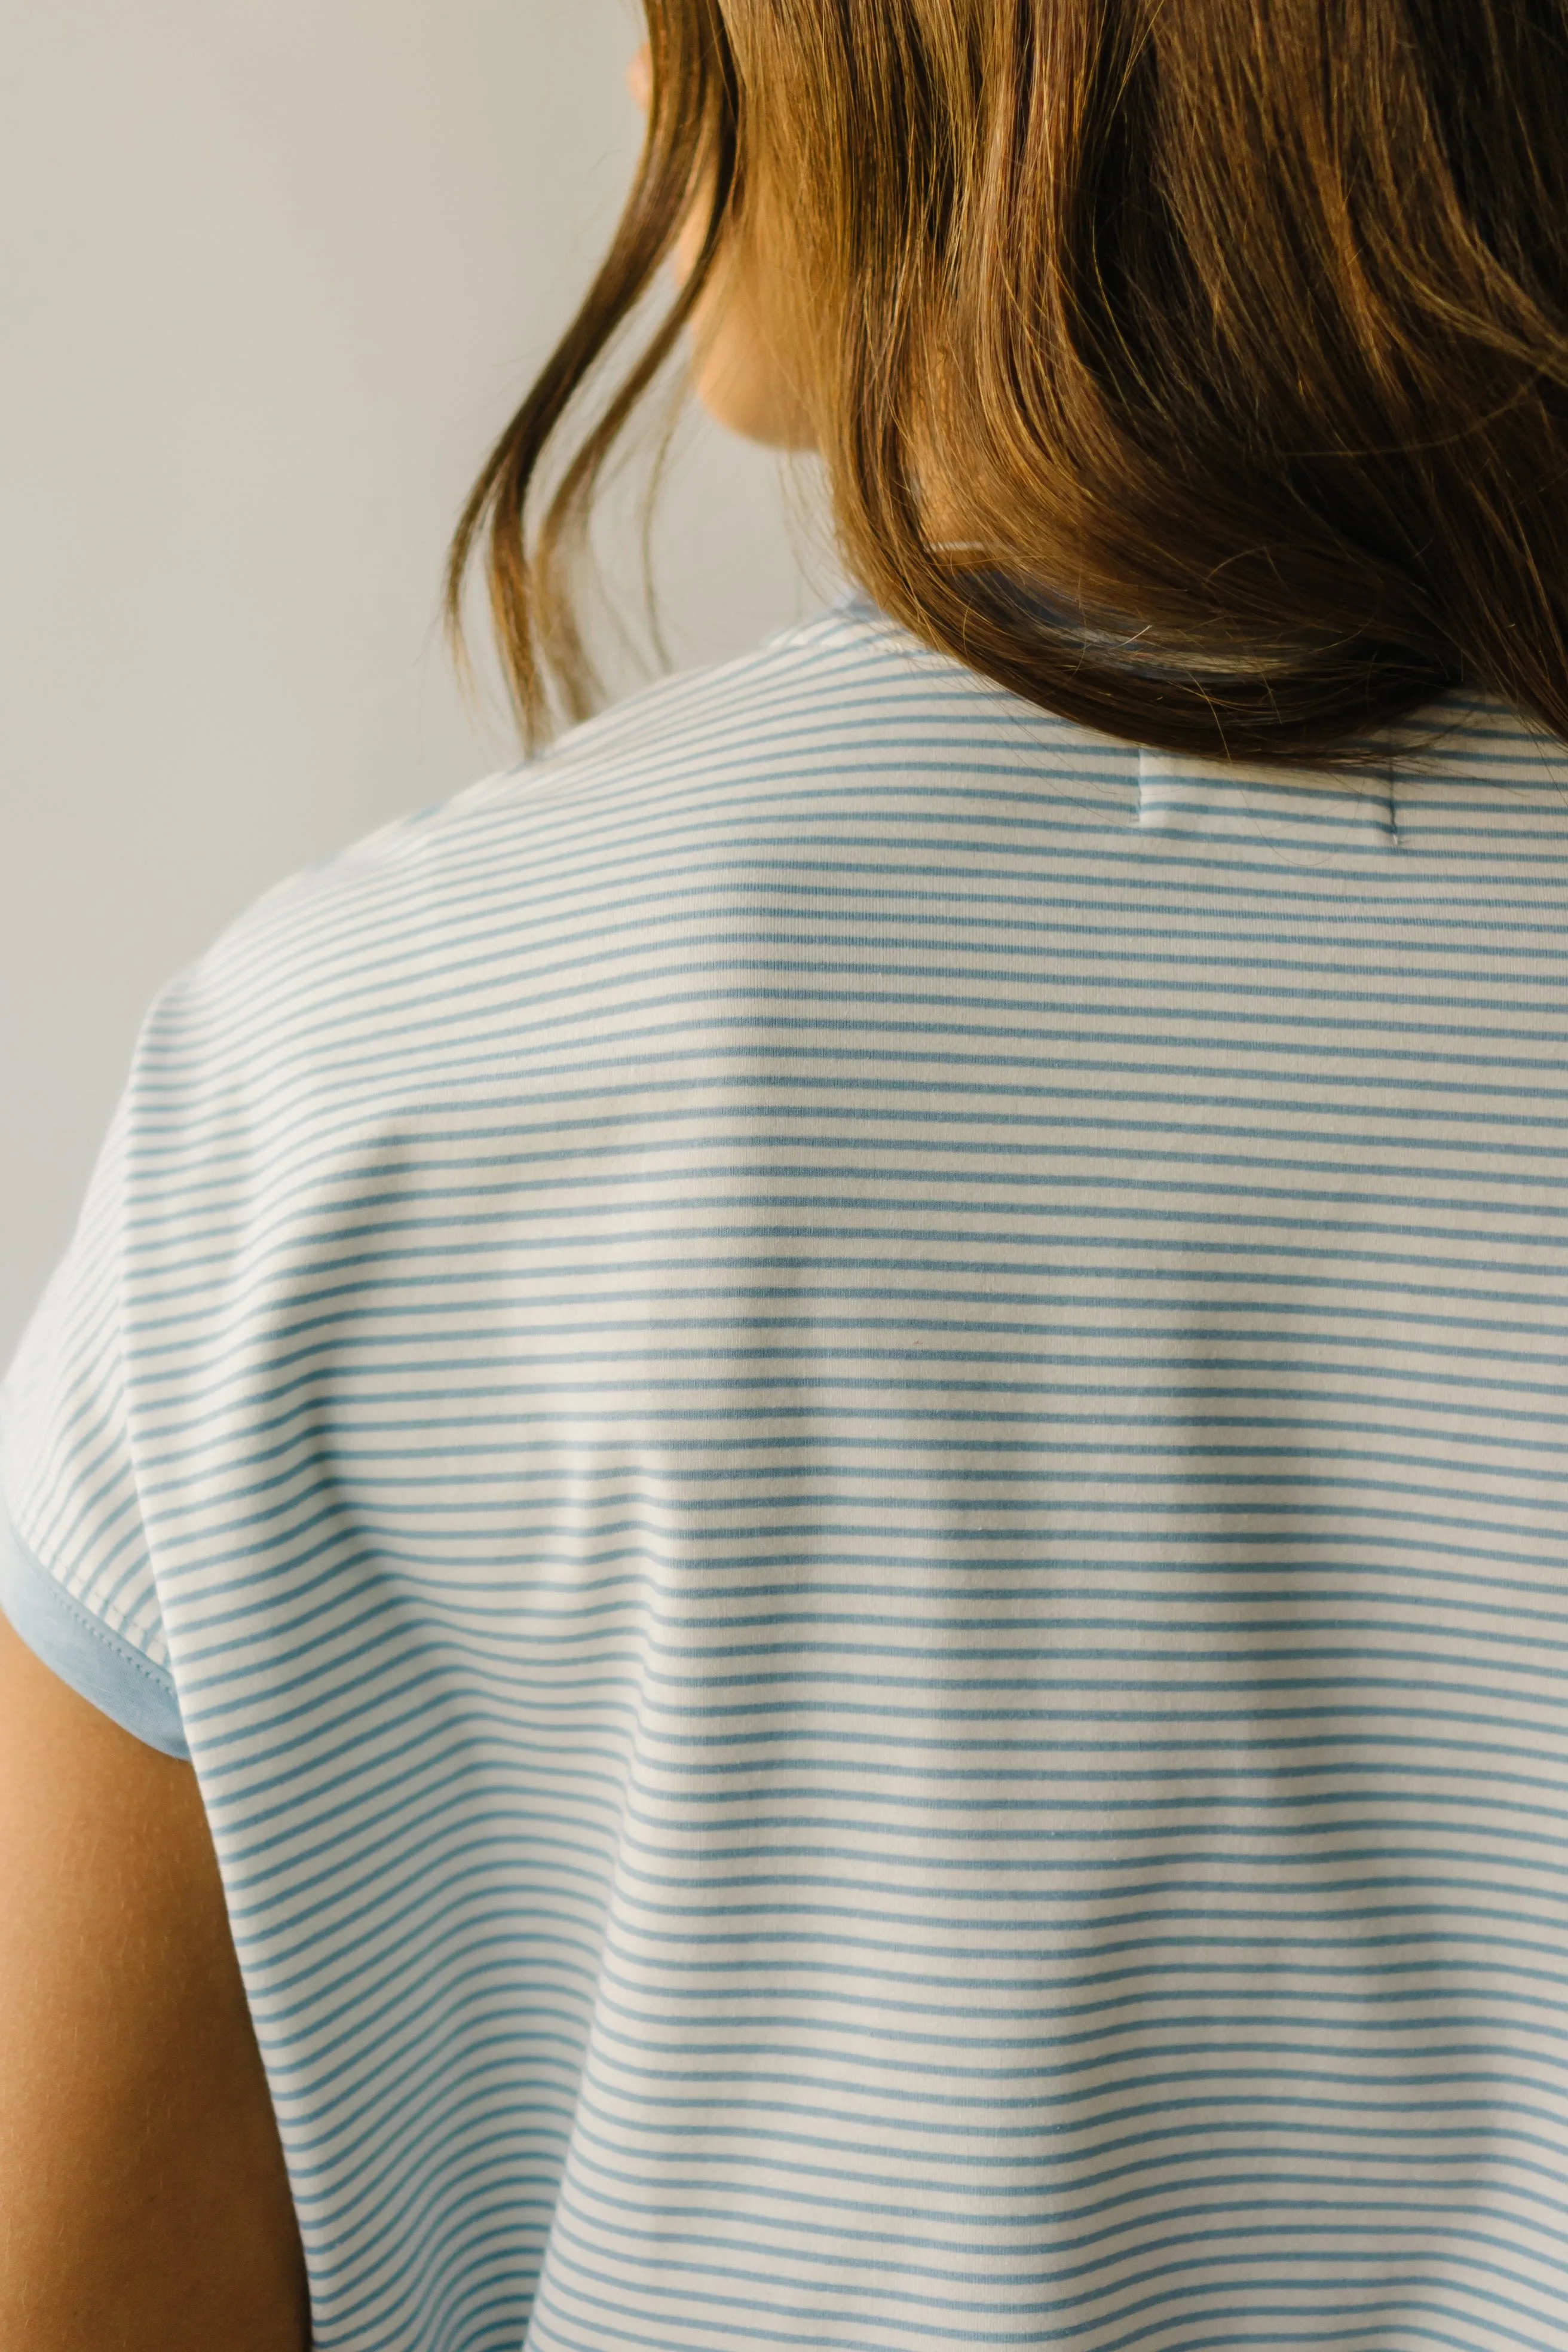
(96, 1664)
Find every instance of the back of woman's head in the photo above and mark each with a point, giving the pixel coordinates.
(1197, 368)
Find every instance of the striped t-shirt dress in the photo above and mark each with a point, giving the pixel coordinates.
(836, 1424)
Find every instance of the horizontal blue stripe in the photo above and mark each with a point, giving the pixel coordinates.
(97, 1663)
(853, 1465)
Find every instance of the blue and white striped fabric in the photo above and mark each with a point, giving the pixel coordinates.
(838, 1426)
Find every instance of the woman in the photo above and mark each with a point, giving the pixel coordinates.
(788, 1550)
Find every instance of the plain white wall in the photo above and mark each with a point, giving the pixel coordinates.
(273, 273)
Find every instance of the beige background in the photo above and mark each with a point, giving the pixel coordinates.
(272, 274)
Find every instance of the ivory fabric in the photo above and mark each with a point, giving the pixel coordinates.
(836, 1426)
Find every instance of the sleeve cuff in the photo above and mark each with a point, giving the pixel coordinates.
(98, 1665)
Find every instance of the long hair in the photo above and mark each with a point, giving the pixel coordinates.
(1196, 369)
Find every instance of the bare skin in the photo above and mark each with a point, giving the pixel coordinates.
(144, 2203)
(738, 372)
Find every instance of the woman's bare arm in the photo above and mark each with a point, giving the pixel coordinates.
(144, 2203)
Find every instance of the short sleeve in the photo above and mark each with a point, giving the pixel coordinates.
(76, 1573)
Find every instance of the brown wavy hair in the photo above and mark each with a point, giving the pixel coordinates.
(1196, 369)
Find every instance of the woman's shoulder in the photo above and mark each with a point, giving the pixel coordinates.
(844, 704)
